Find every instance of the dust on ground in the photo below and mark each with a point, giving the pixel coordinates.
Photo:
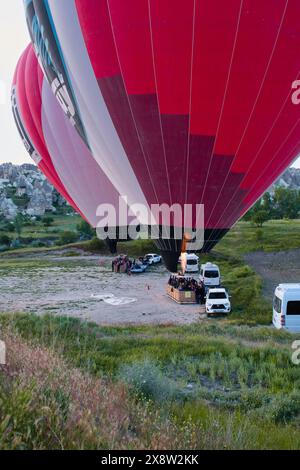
(275, 268)
(78, 286)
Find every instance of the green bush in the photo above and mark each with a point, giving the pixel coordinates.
(85, 230)
(149, 381)
(48, 221)
(5, 240)
(38, 244)
(67, 237)
(285, 408)
(96, 245)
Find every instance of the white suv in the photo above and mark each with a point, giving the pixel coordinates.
(152, 258)
(217, 301)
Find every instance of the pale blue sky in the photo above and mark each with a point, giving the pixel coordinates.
(13, 40)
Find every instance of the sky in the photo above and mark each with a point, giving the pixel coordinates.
(14, 38)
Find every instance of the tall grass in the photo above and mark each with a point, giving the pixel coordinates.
(211, 385)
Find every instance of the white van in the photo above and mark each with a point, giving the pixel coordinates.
(192, 263)
(286, 307)
(210, 275)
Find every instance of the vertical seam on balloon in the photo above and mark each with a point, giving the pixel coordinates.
(39, 143)
(159, 114)
(290, 156)
(278, 150)
(47, 162)
(224, 97)
(36, 122)
(248, 122)
(295, 125)
(48, 9)
(190, 104)
(129, 104)
(51, 129)
(265, 140)
(19, 120)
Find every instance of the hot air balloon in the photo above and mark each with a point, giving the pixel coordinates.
(55, 145)
(180, 102)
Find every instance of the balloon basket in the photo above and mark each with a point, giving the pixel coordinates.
(181, 296)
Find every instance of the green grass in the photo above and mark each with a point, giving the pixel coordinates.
(275, 235)
(216, 376)
(38, 231)
(221, 383)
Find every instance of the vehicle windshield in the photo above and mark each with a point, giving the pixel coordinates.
(192, 261)
(211, 274)
(217, 295)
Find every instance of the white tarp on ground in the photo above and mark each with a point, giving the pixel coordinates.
(111, 299)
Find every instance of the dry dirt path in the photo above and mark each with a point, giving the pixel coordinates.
(77, 286)
(275, 268)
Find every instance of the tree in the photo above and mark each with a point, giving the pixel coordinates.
(9, 227)
(85, 230)
(267, 204)
(68, 237)
(259, 217)
(5, 240)
(48, 221)
(18, 223)
(286, 203)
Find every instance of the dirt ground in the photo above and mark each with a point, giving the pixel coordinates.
(275, 268)
(84, 286)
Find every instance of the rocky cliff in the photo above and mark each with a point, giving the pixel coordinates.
(24, 189)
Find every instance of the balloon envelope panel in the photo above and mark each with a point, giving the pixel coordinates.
(27, 120)
(54, 143)
(190, 100)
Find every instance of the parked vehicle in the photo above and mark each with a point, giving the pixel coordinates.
(152, 258)
(138, 268)
(210, 275)
(286, 307)
(192, 263)
(217, 301)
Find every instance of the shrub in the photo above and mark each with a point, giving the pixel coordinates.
(259, 235)
(38, 244)
(149, 381)
(85, 229)
(96, 245)
(8, 227)
(285, 408)
(67, 237)
(48, 221)
(5, 240)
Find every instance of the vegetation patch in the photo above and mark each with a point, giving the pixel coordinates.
(236, 379)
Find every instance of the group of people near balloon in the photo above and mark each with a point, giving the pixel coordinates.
(122, 264)
(188, 284)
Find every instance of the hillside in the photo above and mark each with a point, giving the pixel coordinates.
(290, 179)
(24, 189)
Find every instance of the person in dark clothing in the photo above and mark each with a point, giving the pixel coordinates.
(198, 294)
(202, 292)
